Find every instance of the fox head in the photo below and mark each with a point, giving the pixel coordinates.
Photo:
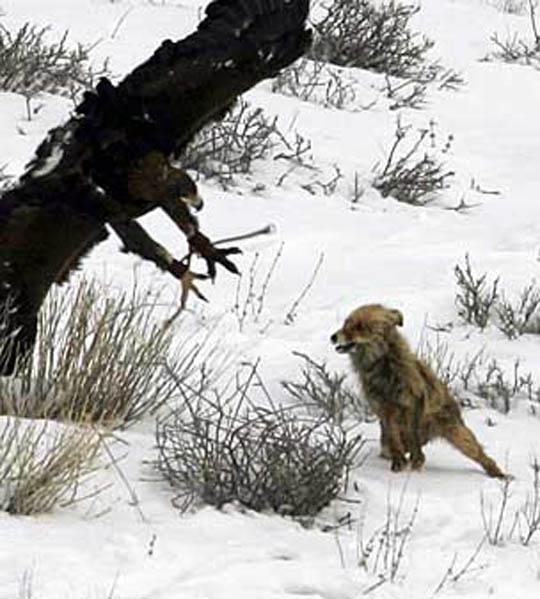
(366, 331)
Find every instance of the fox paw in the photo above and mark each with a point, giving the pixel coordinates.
(398, 464)
(417, 462)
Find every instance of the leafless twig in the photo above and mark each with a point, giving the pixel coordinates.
(291, 315)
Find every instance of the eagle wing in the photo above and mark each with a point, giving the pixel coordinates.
(78, 179)
(186, 84)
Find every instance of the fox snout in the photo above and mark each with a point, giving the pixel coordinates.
(341, 343)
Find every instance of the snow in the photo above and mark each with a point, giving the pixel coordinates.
(376, 250)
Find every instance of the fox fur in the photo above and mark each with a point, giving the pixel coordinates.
(412, 404)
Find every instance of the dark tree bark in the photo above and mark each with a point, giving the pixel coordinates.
(109, 164)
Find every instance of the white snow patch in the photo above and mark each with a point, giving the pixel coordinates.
(374, 250)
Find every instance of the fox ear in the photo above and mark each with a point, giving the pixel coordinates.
(396, 317)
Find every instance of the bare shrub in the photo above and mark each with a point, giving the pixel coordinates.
(265, 457)
(412, 92)
(412, 173)
(528, 516)
(382, 552)
(475, 297)
(514, 48)
(377, 37)
(515, 319)
(372, 36)
(327, 392)
(327, 186)
(230, 146)
(460, 375)
(494, 514)
(444, 78)
(316, 81)
(478, 300)
(512, 7)
(479, 376)
(455, 572)
(292, 312)
(500, 391)
(41, 468)
(98, 358)
(405, 93)
(30, 64)
(251, 291)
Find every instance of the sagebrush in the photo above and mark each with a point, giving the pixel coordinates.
(478, 377)
(312, 80)
(30, 63)
(476, 298)
(230, 147)
(414, 172)
(378, 37)
(514, 48)
(226, 448)
(326, 392)
(480, 301)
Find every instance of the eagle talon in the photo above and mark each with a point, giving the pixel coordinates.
(187, 278)
(187, 282)
(201, 245)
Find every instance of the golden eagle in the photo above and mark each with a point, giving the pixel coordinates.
(110, 162)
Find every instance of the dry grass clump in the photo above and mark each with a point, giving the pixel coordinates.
(99, 358)
(42, 465)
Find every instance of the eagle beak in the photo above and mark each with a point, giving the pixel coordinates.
(198, 204)
(194, 201)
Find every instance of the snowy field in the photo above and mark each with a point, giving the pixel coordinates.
(373, 249)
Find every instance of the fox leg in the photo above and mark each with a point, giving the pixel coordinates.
(463, 439)
(395, 442)
(385, 443)
(417, 455)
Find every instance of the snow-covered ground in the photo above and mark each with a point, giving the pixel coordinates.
(376, 250)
